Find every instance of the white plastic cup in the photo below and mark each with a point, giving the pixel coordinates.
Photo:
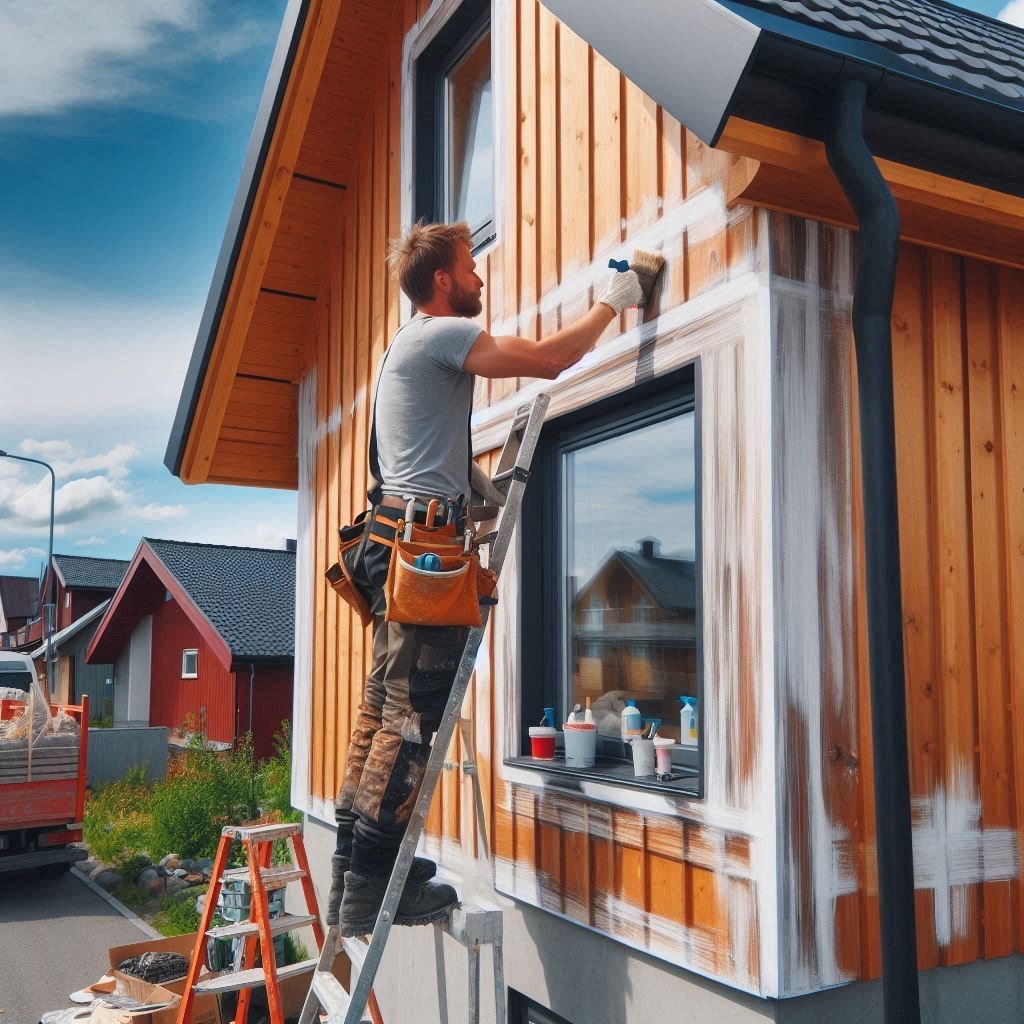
(580, 744)
(663, 754)
(643, 757)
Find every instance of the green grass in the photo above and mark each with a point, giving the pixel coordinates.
(178, 914)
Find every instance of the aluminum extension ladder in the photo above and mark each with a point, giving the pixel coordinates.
(326, 993)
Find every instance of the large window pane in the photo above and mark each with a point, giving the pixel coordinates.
(629, 572)
(470, 140)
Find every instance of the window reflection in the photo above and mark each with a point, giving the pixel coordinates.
(470, 157)
(629, 533)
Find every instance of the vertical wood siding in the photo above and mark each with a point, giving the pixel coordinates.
(590, 168)
(172, 699)
(957, 369)
(767, 882)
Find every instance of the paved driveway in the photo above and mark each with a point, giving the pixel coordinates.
(54, 937)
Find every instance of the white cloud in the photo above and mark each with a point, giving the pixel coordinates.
(60, 53)
(269, 535)
(99, 491)
(57, 55)
(156, 512)
(1013, 13)
(90, 542)
(18, 558)
(47, 450)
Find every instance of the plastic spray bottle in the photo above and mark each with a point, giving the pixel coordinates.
(632, 721)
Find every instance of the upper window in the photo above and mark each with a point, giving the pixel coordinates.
(610, 572)
(190, 664)
(454, 153)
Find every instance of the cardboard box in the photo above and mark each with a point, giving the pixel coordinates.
(205, 1009)
(144, 993)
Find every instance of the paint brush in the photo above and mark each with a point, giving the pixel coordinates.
(648, 267)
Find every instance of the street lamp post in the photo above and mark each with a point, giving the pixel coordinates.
(47, 623)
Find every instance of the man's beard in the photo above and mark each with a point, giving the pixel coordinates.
(464, 303)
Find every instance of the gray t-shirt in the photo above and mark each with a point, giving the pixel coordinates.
(424, 399)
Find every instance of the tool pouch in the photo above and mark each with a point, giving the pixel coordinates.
(342, 575)
(422, 597)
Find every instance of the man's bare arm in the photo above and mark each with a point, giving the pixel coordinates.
(509, 356)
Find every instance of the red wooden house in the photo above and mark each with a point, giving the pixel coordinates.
(202, 636)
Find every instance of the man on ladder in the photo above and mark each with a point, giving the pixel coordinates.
(420, 446)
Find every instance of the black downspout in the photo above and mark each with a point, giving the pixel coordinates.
(878, 253)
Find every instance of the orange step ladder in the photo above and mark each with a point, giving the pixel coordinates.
(260, 929)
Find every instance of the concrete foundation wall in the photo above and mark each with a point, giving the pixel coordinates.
(589, 979)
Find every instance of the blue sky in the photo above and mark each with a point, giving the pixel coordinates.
(123, 126)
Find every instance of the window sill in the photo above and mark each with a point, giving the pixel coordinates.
(685, 781)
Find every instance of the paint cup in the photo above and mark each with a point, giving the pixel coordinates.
(663, 754)
(643, 757)
(580, 744)
(542, 742)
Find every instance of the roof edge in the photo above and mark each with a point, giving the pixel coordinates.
(145, 553)
(234, 233)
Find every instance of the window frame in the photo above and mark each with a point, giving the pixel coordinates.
(184, 654)
(468, 24)
(543, 660)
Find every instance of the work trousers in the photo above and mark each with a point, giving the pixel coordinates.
(404, 699)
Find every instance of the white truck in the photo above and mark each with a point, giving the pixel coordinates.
(43, 752)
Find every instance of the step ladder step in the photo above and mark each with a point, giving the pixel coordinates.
(333, 998)
(273, 878)
(283, 923)
(355, 950)
(235, 981)
(263, 833)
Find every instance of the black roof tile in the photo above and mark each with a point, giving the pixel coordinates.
(947, 42)
(91, 573)
(248, 594)
(18, 595)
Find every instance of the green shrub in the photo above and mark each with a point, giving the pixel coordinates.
(295, 950)
(178, 915)
(117, 825)
(277, 778)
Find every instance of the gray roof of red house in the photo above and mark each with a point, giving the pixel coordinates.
(91, 573)
(18, 595)
(248, 594)
(940, 39)
(671, 582)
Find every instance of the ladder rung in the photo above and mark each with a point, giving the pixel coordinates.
(284, 923)
(333, 998)
(273, 878)
(235, 981)
(355, 950)
(263, 833)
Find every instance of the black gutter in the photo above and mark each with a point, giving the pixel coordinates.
(878, 252)
(238, 221)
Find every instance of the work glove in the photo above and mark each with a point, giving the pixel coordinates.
(622, 291)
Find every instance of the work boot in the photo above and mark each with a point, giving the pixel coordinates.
(421, 870)
(420, 904)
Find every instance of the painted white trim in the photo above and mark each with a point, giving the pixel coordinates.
(679, 337)
(302, 689)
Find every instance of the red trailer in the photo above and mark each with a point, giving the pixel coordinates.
(42, 787)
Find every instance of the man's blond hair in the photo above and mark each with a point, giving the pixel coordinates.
(425, 249)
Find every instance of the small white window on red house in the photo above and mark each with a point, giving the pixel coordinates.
(190, 664)
(67, 599)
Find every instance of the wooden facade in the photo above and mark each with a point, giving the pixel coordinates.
(767, 881)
